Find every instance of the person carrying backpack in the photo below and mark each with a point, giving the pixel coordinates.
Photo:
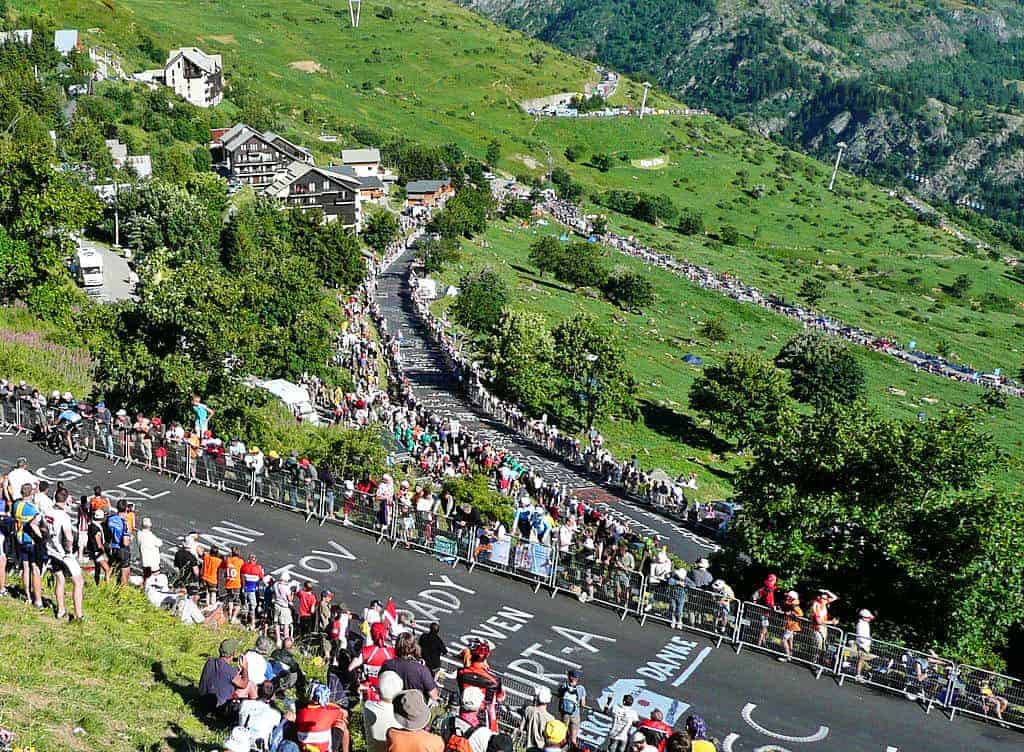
(572, 698)
(463, 732)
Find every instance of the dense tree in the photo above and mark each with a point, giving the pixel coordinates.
(380, 231)
(16, 271)
(438, 253)
(745, 397)
(822, 369)
(520, 354)
(581, 265)
(158, 215)
(691, 222)
(465, 214)
(729, 235)
(546, 253)
(812, 290)
(890, 514)
(597, 386)
(629, 290)
(601, 161)
(493, 152)
(481, 300)
(960, 286)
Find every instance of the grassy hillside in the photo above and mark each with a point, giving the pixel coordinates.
(122, 680)
(436, 73)
(668, 435)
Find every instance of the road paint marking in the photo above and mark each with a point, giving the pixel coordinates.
(729, 741)
(692, 667)
(817, 736)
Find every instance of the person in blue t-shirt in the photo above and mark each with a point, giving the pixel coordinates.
(202, 413)
(30, 535)
(120, 541)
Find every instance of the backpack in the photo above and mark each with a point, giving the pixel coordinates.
(569, 704)
(459, 742)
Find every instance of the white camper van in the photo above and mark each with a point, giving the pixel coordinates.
(90, 267)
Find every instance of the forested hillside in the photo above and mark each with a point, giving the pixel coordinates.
(926, 94)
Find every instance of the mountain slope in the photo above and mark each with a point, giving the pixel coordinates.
(917, 89)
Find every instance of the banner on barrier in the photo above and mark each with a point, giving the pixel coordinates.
(446, 547)
(500, 553)
(535, 558)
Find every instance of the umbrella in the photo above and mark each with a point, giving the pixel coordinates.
(693, 360)
(658, 475)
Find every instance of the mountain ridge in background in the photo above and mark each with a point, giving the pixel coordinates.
(929, 95)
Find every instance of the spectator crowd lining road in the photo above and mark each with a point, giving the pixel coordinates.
(554, 541)
(570, 215)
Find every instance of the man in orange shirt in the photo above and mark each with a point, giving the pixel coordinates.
(412, 717)
(211, 574)
(232, 567)
(98, 500)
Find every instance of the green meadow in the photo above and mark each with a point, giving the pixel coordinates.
(669, 435)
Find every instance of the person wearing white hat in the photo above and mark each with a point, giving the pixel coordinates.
(863, 642)
(535, 718)
(149, 550)
(379, 715)
(793, 615)
(466, 723)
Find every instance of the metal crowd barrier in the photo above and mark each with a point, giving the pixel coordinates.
(789, 637)
(610, 587)
(514, 556)
(886, 665)
(691, 608)
(986, 695)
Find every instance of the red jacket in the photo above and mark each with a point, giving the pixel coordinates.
(313, 725)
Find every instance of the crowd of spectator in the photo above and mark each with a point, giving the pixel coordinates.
(572, 216)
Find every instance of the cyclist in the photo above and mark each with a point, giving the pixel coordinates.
(67, 424)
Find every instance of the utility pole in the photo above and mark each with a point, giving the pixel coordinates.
(548, 152)
(643, 104)
(354, 7)
(835, 170)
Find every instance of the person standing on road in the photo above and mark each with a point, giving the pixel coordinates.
(624, 718)
(432, 648)
(232, 567)
(572, 698)
(149, 550)
(60, 546)
(211, 574)
(19, 477)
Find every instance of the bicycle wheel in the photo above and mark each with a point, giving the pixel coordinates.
(81, 453)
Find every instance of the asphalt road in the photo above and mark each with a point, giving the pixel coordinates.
(538, 637)
(437, 388)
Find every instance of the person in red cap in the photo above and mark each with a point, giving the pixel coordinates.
(371, 658)
(477, 673)
(765, 596)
